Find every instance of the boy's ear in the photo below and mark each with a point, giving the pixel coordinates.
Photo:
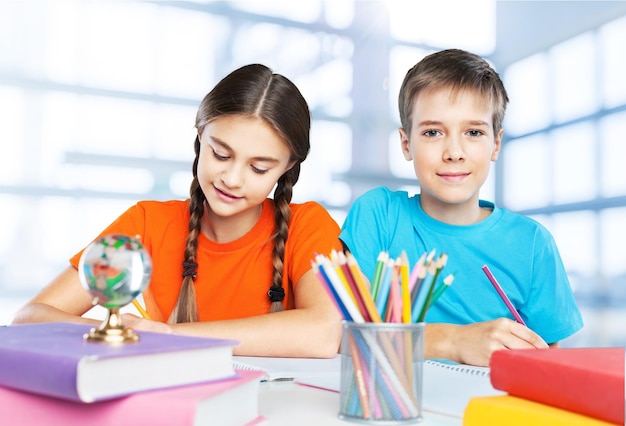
(497, 145)
(405, 144)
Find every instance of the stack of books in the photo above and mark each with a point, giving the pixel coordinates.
(50, 375)
(556, 387)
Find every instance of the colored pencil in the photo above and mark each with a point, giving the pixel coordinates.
(385, 285)
(404, 285)
(340, 273)
(362, 288)
(439, 265)
(323, 278)
(447, 282)
(394, 305)
(325, 265)
(503, 295)
(140, 308)
(381, 261)
(415, 271)
(359, 377)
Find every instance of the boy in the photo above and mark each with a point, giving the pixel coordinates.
(452, 105)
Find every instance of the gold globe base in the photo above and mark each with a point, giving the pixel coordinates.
(112, 330)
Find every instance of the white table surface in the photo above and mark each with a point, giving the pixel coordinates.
(291, 404)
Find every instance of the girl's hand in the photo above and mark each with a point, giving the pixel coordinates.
(142, 324)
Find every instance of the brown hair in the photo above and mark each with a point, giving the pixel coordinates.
(253, 91)
(459, 70)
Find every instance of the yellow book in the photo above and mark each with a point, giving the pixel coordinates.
(513, 411)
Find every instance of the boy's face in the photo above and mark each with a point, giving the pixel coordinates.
(451, 144)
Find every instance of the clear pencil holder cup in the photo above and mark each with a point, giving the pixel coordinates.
(381, 373)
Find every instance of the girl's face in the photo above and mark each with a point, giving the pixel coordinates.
(452, 145)
(241, 159)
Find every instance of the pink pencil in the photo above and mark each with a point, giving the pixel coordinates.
(503, 295)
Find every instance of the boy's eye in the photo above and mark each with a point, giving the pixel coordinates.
(475, 133)
(431, 133)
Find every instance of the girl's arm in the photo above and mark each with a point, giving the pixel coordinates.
(63, 300)
(312, 329)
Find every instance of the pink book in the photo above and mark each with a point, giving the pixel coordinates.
(232, 401)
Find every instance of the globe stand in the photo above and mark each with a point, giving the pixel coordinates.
(112, 330)
(114, 269)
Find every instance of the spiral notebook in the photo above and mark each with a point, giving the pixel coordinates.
(289, 369)
(447, 387)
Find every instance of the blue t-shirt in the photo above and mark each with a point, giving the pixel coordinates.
(519, 251)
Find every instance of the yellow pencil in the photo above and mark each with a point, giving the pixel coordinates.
(404, 281)
(334, 259)
(141, 310)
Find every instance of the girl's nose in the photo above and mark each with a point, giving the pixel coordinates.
(232, 177)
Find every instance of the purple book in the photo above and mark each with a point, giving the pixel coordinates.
(53, 359)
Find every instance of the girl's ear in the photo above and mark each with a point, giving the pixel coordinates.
(405, 144)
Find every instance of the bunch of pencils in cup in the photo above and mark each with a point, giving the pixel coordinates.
(395, 295)
(382, 378)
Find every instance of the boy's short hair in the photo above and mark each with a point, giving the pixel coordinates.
(459, 70)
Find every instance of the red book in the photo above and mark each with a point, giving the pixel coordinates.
(233, 401)
(589, 381)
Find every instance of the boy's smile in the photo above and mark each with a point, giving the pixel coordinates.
(451, 144)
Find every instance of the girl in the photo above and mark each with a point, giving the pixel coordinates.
(244, 259)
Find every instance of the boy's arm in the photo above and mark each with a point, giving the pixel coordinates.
(474, 343)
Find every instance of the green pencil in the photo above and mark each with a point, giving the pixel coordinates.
(378, 272)
(439, 265)
(447, 281)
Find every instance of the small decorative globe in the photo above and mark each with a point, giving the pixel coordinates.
(115, 269)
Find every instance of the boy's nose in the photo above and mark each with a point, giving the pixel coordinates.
(453, 149)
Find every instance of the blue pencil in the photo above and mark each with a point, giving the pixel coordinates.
(423, 291)
(340, 290)
(323, 277)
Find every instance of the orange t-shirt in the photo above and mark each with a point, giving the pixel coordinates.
(232, 278)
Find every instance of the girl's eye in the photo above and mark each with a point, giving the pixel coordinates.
(258, 171)
(219, 157)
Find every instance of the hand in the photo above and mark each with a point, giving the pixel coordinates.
(475, 343)
(142, 324)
